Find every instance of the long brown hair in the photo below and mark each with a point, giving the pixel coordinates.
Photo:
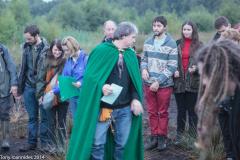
(221, 65)
(51, 61)
(195, 37)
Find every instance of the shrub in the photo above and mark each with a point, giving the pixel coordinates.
(202, 18)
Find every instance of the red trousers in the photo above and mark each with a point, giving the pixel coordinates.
(157, 106)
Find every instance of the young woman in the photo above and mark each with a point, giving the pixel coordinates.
(47, 82)
(186, 78)
(219, 80)
(74, 67)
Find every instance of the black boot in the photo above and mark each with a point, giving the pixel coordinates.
(152, 143)
(161, 143)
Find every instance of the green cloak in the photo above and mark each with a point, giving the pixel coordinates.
(100, 64)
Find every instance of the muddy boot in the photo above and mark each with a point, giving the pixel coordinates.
(5, 135)
(152, 143)
(162, 145)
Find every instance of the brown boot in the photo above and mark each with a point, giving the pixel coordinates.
(153, 142)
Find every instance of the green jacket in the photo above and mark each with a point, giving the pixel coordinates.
(188, 82)
(100, 64)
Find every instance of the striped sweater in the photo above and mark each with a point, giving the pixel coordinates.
(160, 61)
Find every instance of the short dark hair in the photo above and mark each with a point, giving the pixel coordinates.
(32, 29)
(221, 21)
(160, 19)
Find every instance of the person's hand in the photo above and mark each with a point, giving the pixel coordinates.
(13, 90)
(107, 89)
(76, 84)
(145, 75)
(136, 107)
(40, 100)
(154, 86)
(192, 69)
(176, 74)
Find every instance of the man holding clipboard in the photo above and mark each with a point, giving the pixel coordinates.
(112, 68)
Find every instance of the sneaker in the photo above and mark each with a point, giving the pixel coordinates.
(152, 143)
(27, 147)
(162, 145)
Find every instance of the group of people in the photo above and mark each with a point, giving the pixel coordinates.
(204, 81)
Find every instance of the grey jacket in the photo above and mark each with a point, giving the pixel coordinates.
(8, 72)
(29, 67)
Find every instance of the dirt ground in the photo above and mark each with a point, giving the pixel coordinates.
(172, 153)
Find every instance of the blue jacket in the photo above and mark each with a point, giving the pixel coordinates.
(74, 69)
(8, 72)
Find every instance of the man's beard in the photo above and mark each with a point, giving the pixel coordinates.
(32, 43)
(157, 34)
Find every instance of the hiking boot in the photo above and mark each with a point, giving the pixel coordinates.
(27, 147)
(152, 143)
(161, 143)
(177, 141)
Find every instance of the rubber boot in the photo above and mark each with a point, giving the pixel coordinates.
(5, 135)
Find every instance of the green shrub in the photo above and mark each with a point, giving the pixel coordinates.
(231, 11)
(202, 18)
(8, 27)
(49, 29)
(144, 22)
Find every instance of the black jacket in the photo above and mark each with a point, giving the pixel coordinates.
(29, 67)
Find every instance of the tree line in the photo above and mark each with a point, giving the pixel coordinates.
(58, 16)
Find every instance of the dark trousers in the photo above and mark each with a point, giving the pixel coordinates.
(224, 121)
(57, 124)
(185, 105)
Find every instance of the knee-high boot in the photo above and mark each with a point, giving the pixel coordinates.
(5, 135)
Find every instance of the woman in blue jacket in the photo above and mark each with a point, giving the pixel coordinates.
(74, 67)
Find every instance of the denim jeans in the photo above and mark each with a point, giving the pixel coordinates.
(122, 120)
(73, 103)
(5, 107)
(32, 107)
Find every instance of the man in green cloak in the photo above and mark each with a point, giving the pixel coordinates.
(110, 63)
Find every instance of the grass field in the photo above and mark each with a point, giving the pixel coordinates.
(88, 40)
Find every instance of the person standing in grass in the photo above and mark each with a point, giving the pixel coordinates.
(111, 62)
(8, 86)
(221, 25)
(186, 78)
(74, 67)
(219, 82)
(34, 50)
(158, 65)
(48, 73)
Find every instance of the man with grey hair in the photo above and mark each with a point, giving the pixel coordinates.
(118, 67)
(109, 28)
